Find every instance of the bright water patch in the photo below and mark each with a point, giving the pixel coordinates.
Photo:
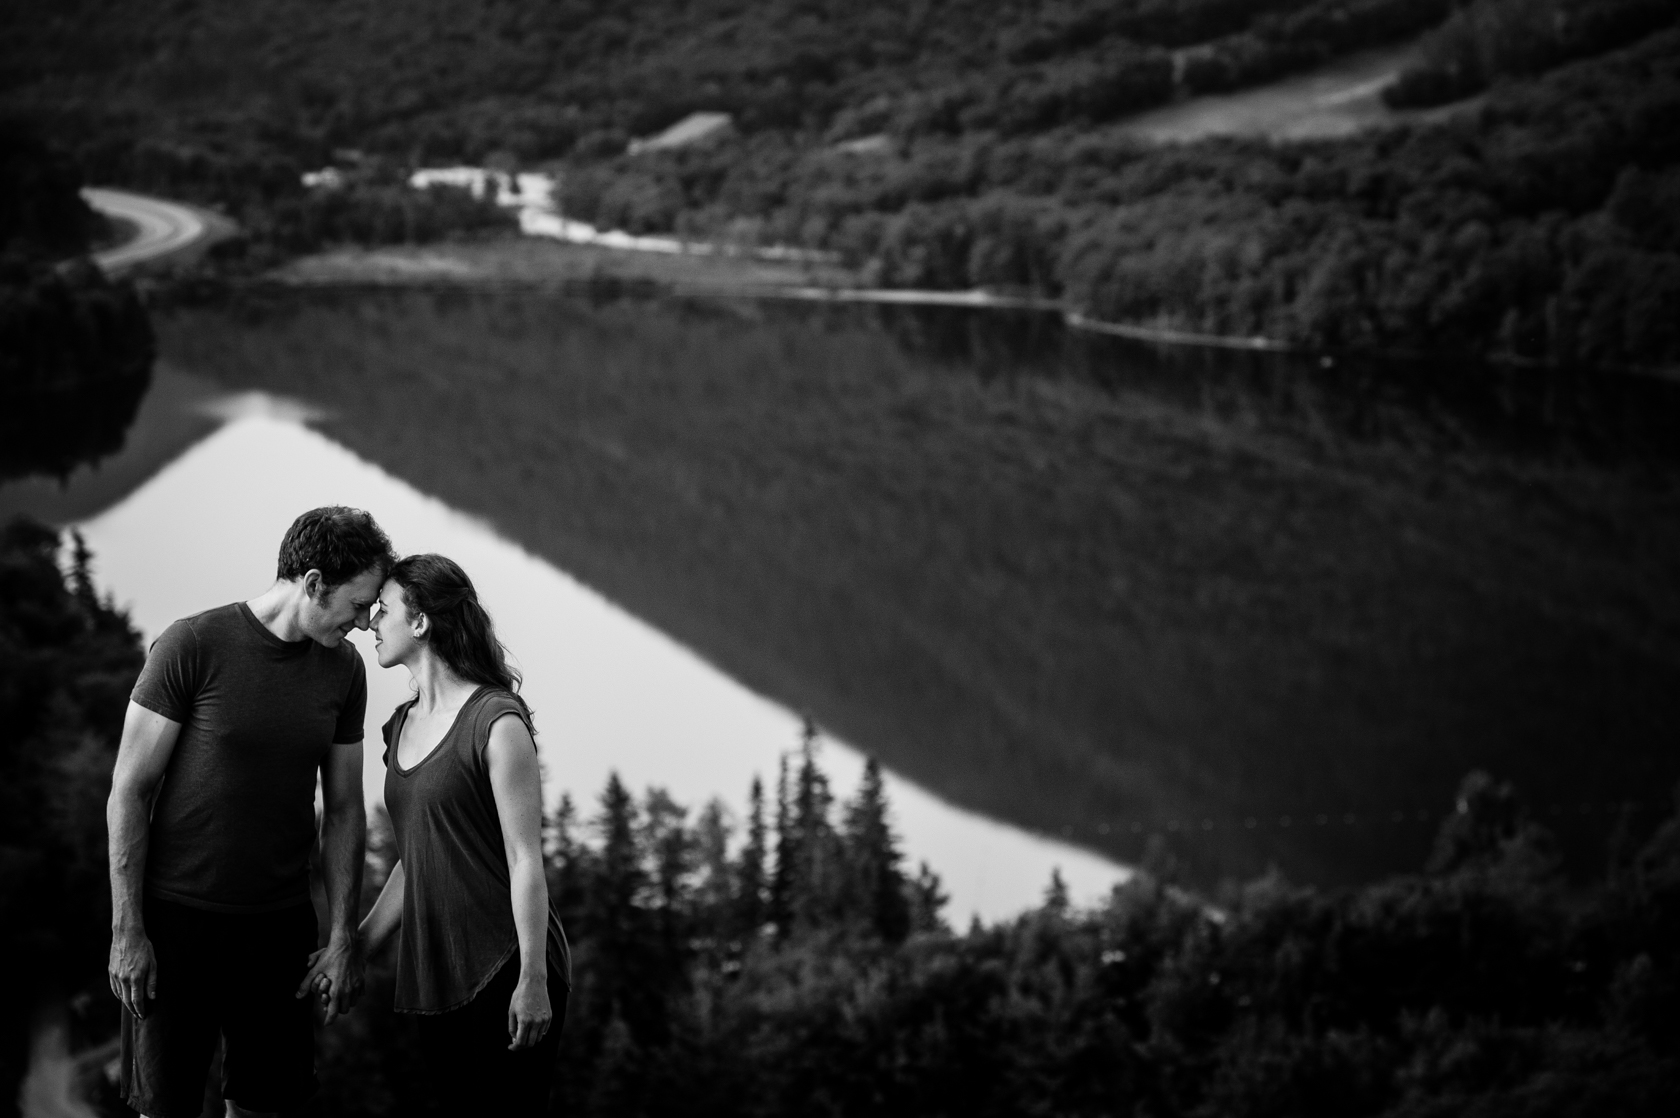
(609, 692)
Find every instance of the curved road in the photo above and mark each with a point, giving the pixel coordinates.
(165, 227)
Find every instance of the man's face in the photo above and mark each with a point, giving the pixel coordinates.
(332, 615)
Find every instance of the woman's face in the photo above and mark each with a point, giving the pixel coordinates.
(394, 638)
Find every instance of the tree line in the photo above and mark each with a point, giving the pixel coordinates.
(1487, 41)
(795, 971)
(705, 986)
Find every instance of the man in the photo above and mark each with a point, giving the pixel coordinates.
(212, 822)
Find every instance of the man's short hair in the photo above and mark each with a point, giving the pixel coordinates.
(339, 542)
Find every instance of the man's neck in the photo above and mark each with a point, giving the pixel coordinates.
(280, 609)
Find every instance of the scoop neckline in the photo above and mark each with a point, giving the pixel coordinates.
(402, 724)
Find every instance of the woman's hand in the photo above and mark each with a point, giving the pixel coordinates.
(529, 1014)
(335, 976)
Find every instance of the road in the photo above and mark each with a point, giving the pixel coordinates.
(165, 228)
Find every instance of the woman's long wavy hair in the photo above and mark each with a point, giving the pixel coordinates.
(462, 633)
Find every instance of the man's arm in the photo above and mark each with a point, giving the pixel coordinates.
(343, 843)
(148, 740)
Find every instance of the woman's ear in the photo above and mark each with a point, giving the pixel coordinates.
(420, 625)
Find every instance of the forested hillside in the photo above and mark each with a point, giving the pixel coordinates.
(75, 349)
(67, 662)
(445, 80)
(1531, 226)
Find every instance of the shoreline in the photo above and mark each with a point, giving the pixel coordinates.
(539, 263)
(523, 264)
(527, 262)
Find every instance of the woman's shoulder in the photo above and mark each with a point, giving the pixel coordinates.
(491, 703)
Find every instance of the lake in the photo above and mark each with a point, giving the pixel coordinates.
(1090, 602)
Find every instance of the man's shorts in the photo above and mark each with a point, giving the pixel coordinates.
(225, 976)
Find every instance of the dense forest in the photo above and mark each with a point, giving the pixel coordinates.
(784, 961)
(75, 349)
(67, 662)
(794, 969)
(1535, 225)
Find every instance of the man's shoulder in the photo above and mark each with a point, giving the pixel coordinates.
(212, 620)
(193, 631)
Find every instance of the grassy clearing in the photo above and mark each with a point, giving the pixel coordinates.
(1062, 580)
(528, 261)
(1335, 100)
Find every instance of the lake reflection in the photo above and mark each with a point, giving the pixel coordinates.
(1237, 612)
(609, 692)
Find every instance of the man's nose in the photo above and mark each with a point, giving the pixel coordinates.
(362, 619)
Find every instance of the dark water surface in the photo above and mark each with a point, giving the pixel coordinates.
(1254, 610)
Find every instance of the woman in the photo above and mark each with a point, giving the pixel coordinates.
(482, 957)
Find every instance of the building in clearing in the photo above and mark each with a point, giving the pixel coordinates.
(692, 129)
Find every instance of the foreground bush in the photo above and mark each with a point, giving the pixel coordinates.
(67, 662)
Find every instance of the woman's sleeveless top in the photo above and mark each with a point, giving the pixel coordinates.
(457, 918)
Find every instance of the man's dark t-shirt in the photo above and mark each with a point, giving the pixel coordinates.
(235, 819)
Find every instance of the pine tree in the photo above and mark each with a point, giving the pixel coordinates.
(619, 879)
(714, 888)
(669, 846)
(1056, 893)
(818, 883)
(749, 890)
(787, 856)
(666, 839)
(566, 859)
(875, 893)
(927, 897)
(614, 925)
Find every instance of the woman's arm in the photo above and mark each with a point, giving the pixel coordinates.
(516, 784)
(382, 919)
(385, 916)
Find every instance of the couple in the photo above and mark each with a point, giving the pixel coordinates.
(212, 823)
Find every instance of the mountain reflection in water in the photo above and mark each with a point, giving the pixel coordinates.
(1251, 610)
(609, 693)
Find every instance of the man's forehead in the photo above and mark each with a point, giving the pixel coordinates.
(365, 586)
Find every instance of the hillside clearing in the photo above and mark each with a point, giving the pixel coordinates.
(1339, 99)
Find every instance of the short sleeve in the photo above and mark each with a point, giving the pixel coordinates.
(387, 730)
(494, 705)
(354, 711)
(170, 681)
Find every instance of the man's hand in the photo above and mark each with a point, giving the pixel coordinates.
(148, 740)
(335, 976)
(133, 970)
